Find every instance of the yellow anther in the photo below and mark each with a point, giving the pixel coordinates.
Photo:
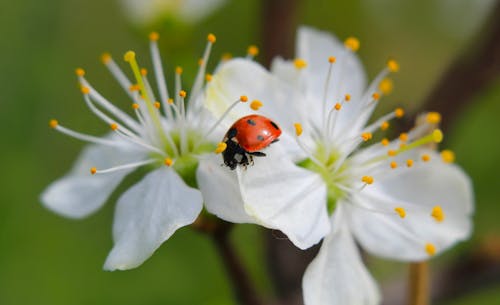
(298, 129)
(347, 97)
(208, 77)
(409, 162)
(85, 90)
(437, 213)
(168, 161)
(80, 72)
(300, 63)
(366, 136)
(352, 43)
(178, 70)
(129, 56)
(392, 65)
(403, 137)
(200, 61)
(134, 87)
(332, 59)
(154, 36)
(433, 117)
(448, 156)
(437, 136)
(394, 164)
(135, 106)
(226, 56)
(182, 93)
(170, 101)
(337, 106)
(430, 249)
(256, 104)
(399, 112)
(376, 96)
(211, 38)
(114, 126)
(53, 123)
(402, 145)
(253, 50)
(367, 179)
(93, 170)
(385, 141)
(105, 58)
(384, 126)
(144, 72)
(401, 212)
(386, 86)
(221, 146)
(244, 98)
(426, 158)
(157, 105)
(392, 152)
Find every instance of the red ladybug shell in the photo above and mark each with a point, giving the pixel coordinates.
(255, 132)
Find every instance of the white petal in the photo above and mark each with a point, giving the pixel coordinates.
(337, 275)
(148, 214)
(283, 196)
(80, 193)
(417, 190)
(221, 191)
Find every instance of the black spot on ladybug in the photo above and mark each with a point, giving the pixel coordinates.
(260, 138)
(274, 125)
(251, 122)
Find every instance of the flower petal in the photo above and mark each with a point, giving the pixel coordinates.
(80, 193)
(220, 189)
(337, 275)
(148, 214)
(283, 196)
(417, 190)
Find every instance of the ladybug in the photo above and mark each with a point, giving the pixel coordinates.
(246, 137)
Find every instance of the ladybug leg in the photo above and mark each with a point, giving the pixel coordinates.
(257, 154)
(275, 140)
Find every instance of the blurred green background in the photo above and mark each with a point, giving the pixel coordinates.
(46, 259)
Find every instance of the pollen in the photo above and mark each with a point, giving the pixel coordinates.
(366, 136)
(399, 112)
(80, 72)
(433, 117)
(409, 162)
(144, 72)
(376, 96)
(129, 56)
(394, 164)
(298, 129)
(114, 126)
(157, 105)
(211, 38)
(430, 249)
(244, 98)
(392, 65)
(385, 141)
(367, 179)
(401, 212)
(154, 36)
(300, 63)
(134, 87)
(256, 104)
(337, 106)
(448, 156)
(182, 93)
(226, 56)
(253, 50)
(386, 86)
(347, 97)
(93, 170)
(437, 213)
(221, 146)
(332, 59)
(426, 158)
(384, 126)
(178, 70)
(352, 43)
(200, 61)
(403, 137)
(105, 58)
(208, 77)
(392, 152)
(53, 123)
(437, 136)
(135, 106)
(168, 161)
(85, 90)
(170, 101)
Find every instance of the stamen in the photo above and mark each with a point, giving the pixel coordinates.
(168, 161)
(386, 86)
(80, 136)
(256, 104)
(337, 106)
(226, 56)
(399, 112)
(433, 117)
(409, 162)
(366, 136)
(300, 63)
(385, 141)
(157, 105)
(80, 72)
(298, 129)
(403, 137)
(392, 152)
(332, 59)
(367, 179)
(347, 97)
(448, 156)
(401, 212)
(352, 43)
(430, 249)
(159, 74)
(208, 77)
(426, 158)
(376, 96)
(221, 146)
(393, 65)
(252, 51)
(394, 164)
(105, 58)
(242, 99)
(198, 82)
(437, 213)
(93, 170)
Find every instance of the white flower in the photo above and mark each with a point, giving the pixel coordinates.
(166, 136)
(398, 198)
(144, 12)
